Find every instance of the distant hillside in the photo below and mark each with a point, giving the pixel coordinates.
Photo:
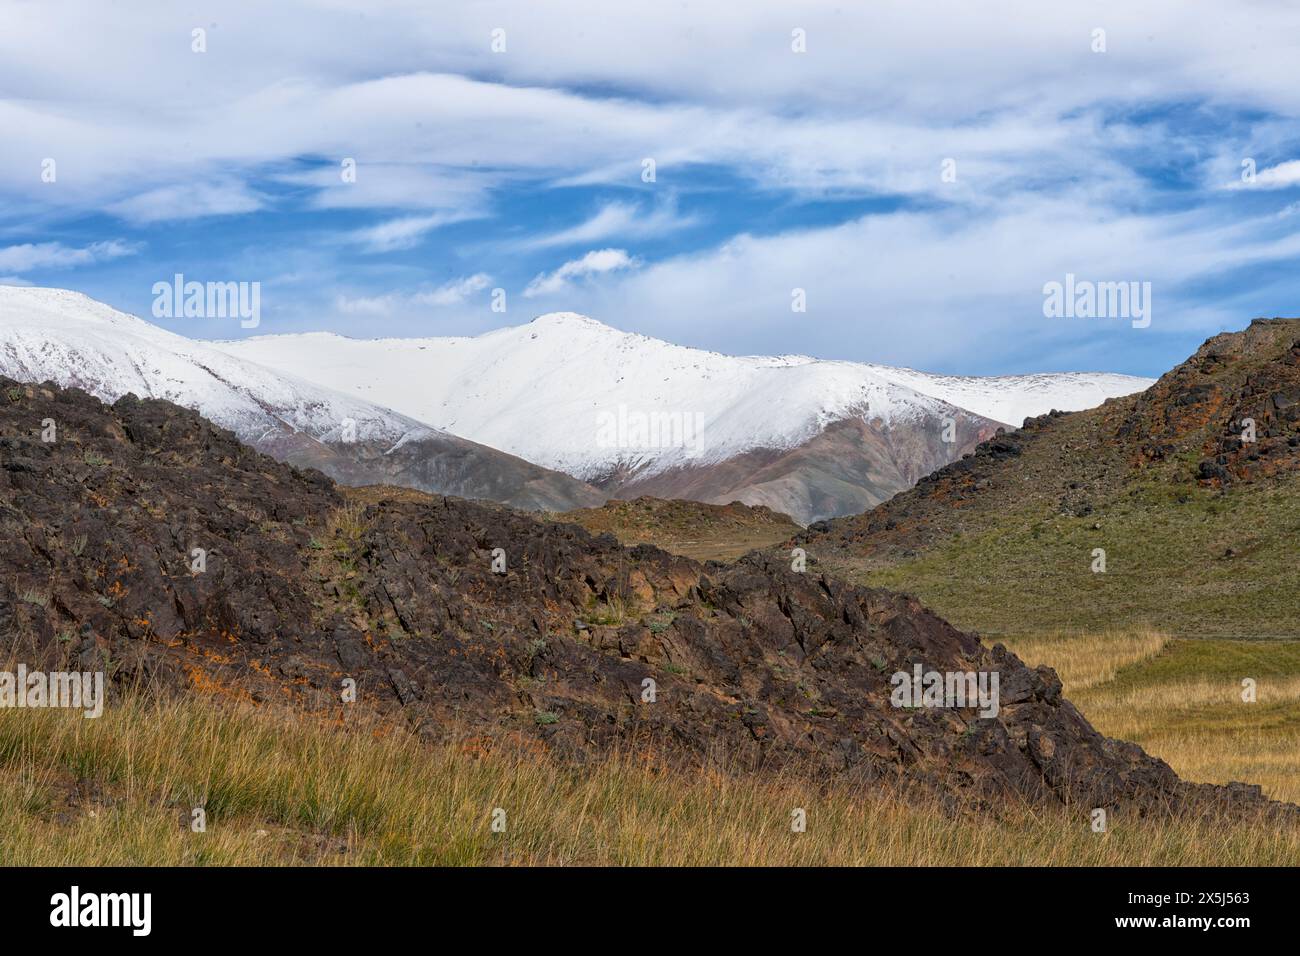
(1199, 527)
(634, 415)
(701, 531)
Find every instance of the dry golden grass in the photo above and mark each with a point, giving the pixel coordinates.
(1182, 701)
(282, 789)
(1085, 660)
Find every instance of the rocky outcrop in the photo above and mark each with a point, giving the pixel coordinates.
(1235, 404)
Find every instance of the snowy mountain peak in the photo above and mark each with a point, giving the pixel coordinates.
(570, 320)
(62, 308)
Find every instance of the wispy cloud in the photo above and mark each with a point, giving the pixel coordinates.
(450, 293)
(29, 257)
(187, 201)
(596, 262)
(617, 220)
(404, 232)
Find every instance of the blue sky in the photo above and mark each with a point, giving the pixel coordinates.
(522, 169)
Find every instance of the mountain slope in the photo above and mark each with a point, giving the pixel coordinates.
(65, 337)
(750, 661)
(697, 530)
(1198, 527)
(572, 394)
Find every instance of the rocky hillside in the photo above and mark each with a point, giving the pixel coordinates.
(1191, 488)
(299, 590)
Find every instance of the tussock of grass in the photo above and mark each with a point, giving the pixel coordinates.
(613, 611)
(284, 789)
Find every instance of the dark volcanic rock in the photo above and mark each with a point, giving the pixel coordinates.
(451, 615)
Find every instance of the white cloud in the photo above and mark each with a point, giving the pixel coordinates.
(596, 262)
(404, 232)
(396, 185)
(455, 292)
(29, 257)
(187, 201)
(1281, 176)
(617, 220)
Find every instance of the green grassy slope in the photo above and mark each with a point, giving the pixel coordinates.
(1209, 565)
(1201, 531)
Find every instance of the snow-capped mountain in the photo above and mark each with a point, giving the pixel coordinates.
(559, 413)
(73, 340)
(635, 414)
(1011, 399)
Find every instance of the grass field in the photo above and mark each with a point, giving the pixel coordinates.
(1182, 700)
(1188, 561)
(284, 789)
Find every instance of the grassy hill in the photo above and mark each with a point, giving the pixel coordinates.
(1198, 527)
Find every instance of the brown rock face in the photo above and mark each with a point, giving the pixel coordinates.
(455, 615)
(848, 467)
(1236, 402)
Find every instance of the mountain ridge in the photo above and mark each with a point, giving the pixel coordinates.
(544, 390)
(560, 413)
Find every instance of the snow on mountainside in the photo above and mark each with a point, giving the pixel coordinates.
(555, 391)
(71, 339)
(67, 338)
(1013, 398)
